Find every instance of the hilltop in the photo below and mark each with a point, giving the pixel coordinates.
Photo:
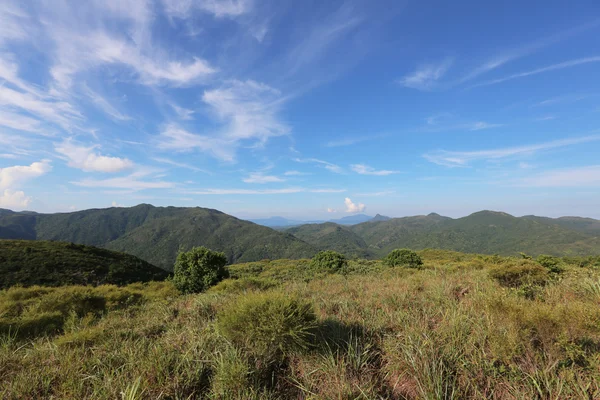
(26, 262)
(157, 234)
(487, 232)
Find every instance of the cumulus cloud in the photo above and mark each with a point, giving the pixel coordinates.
(14, 200)
(86, 159)
(14, 176)
(331, 210)
(352, 207)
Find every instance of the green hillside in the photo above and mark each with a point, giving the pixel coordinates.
(585, 225)
(330, 236)
(156, 234)
(482, 232)
(26, 262)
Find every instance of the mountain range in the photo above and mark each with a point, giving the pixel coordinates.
(280, 222)
(157, 234)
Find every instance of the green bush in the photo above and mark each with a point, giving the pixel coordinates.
(268, 326)
(552, 264)
(520, 274)
(330, 261)
(404, 258)
(198, 269)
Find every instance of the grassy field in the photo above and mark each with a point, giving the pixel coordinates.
(461, 327)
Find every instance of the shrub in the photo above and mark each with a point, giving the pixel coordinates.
(199, 269)
(268, 326)
(520, 274)
(552, 264)
(405, 258)
(329, 261)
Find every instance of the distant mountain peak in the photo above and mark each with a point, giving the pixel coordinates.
(379, 217)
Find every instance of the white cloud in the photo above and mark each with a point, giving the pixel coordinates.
(130, 182)
(12, 22)
(447, 122)
(115, 204)
(426, 76)
(59, 112)
(523, 51)
(173, 137)
(366, 170)
(14, 200)
(246, 191)
(480, 125)
(183, 113)
(290, 190)
(331, 210)
(178, 164)
(588, 176)
(353, 208)
(377, 194)
(86, 159)
(554, 67)
(463, 158)
(19, 122)
(218, 8)
(327, 190)
(15, 176)
(248, 109)
(258, 177)
(349, 141)
(104, 105)
(327, 165)
(295, 173)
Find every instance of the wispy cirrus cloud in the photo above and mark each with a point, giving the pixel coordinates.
(259, 177)
(178, 164)
(218, 8)
(104, 105)
(290, 190)
(553, 67)
(448, 122)
(586, 176)
(349, 141)
(295, 173)
(327, 165)
(426, 77)
(364, 169)
(173, 137)
(136, 181)
(525, 50)
(464, 158)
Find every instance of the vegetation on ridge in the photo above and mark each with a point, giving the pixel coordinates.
(449, 330)
(29, 262)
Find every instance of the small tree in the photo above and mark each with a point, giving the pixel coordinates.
(403, 257)
(329, 260)
(199, 269)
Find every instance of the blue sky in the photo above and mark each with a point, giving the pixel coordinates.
(305, 109)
